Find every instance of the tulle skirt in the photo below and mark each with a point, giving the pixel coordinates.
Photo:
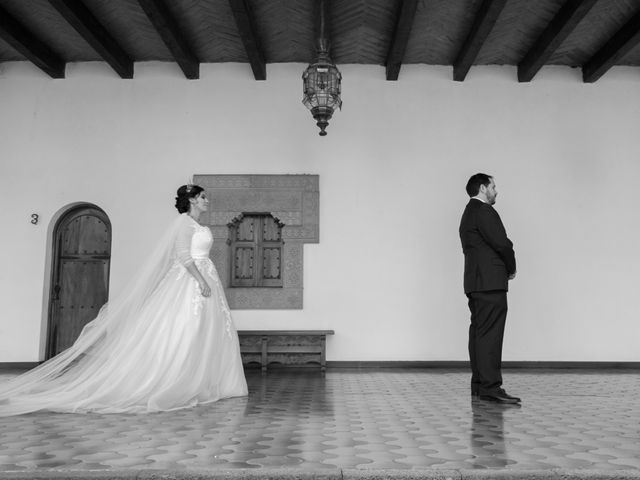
(179, 349)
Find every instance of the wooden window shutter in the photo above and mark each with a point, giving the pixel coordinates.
(256, 251)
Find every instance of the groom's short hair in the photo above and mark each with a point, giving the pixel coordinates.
(473, 185)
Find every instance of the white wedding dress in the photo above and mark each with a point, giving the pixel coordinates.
(160, 346)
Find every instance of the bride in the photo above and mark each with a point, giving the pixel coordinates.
(167, 342)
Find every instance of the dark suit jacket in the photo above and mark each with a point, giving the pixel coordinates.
(489, 258)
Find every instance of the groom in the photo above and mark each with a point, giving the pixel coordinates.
(489, 264)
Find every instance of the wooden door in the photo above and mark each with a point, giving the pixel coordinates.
(81, 260)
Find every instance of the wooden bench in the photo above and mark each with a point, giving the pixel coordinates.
(285, 347)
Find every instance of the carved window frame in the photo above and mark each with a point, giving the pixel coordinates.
(258, 244)
(293, 200)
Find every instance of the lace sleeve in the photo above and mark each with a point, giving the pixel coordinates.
(183, 244)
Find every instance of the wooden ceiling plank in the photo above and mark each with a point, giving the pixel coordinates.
(565, 21)
(486, 18)
(36, 51)
(167, 28)
(246, 26)
(83, 21)
(401, 38)
(623, 41)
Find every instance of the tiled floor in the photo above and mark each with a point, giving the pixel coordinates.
(392, 419)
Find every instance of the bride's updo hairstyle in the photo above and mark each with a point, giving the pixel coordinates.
(186, 192)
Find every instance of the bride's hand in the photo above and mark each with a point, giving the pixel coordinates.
(205, 289)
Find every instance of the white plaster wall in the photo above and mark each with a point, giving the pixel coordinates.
(387, 273)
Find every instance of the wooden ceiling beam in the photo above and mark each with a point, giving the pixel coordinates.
(565, 21)
(167, 27)
(486, 18)
(36, 51)
(246, 26)
(623, 41)
(83, 21)
(401, 38)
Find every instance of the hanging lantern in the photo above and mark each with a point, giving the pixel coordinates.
(321, 80)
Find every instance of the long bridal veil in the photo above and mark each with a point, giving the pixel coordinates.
(62, 382)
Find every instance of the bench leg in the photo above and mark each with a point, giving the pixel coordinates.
(264, 355)
(323, 354)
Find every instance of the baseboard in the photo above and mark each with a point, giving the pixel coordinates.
(18, 365)
(459, 364)
(396, 364)
(454, 364)
(571, 365)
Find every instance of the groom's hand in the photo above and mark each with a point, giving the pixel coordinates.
(512, 276)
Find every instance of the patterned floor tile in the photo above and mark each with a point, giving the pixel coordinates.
(388, 419)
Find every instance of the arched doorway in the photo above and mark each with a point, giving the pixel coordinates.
(80, 274)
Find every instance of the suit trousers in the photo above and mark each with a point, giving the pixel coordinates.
(486, 332)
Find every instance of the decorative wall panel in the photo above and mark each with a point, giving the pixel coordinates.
(294, 200)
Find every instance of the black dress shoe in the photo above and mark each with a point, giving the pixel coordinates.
(499, 397)
(475, 389)
(505, 394)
